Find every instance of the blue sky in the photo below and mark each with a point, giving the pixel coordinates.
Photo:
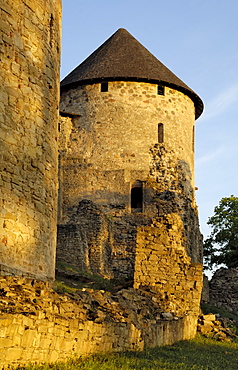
(198, 41)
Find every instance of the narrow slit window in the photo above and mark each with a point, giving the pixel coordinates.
(160, 133)
(104, 86)
(160, 90)
(136, 197)
(51, 29)
(193, 139)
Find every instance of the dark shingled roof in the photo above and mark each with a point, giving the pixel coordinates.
(122, 57)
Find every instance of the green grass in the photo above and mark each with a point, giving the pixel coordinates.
(197, 354)
(83, 279)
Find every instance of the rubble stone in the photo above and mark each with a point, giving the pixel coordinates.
(84, 322)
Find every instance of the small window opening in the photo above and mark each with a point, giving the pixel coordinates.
(51, 29)
(160, 90)
(136, 197)
(160, 133)
(59, 126)
(104, 86)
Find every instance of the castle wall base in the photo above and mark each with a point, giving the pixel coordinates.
(38, 325)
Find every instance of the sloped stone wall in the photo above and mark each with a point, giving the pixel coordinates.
(37, 324)
(30, 58)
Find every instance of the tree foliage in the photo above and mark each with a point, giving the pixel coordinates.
(221, 246)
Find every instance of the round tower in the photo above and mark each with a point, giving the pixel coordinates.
(30, 59)
(127, 146)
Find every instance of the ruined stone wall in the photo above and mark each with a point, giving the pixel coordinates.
(86, 241)
(109, 143)
(37, 324)
(162, 264)
(223, 289)
(168, 255)
(171, 180)
(30, 58)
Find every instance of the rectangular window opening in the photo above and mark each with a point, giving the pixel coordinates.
(136, 197)
(160, 133)
(104, 86)
(160, 90)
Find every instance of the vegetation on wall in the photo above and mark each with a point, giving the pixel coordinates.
(221, 247)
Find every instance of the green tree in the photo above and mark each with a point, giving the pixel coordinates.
(221, 246)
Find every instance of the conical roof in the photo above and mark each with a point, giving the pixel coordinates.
(122, 57)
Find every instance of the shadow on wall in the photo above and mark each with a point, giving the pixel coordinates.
(101, 239)
(181, 202)
(99, 242)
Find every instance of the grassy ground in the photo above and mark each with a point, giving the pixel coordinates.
(197, 354)
(69, 278)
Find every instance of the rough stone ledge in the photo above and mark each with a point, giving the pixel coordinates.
(37, 324)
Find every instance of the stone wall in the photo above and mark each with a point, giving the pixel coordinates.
(223, 289)
(169, 251)
(37, 324)
(86, 241)
(108, 143)
(205, 290)
(162, 263)
(30, 57)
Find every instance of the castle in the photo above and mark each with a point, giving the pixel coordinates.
(125, 138)
(126, 184)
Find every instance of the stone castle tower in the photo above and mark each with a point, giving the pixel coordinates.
(126, 200)
(30, 58)
(126, 194)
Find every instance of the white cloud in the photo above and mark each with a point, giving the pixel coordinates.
(221, 103)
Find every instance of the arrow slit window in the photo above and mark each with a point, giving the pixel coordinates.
(160, 133)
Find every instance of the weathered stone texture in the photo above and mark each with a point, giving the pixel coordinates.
(162, 262)
(30, 55)
(110, 142)
(223, 289)
(37, 324)
(205, 290)
(216, 327)
(86, 240)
